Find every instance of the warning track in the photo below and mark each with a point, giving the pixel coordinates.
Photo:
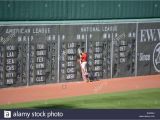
(61, 90)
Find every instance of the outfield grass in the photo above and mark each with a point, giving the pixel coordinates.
(139, 99)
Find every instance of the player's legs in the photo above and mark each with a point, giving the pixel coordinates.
(84, 71)
(84, 67)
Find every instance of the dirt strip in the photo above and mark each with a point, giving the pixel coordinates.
(61, 90)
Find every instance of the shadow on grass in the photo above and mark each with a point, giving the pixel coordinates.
(51, 106)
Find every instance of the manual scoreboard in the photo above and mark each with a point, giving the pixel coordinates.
(41, 54)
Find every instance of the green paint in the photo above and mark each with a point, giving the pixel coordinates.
(60, 10)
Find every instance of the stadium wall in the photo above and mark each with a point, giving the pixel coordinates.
(47, 52)
(39, 40)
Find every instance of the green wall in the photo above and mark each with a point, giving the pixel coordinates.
(30, 10)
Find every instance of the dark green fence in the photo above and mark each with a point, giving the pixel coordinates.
(20, 10)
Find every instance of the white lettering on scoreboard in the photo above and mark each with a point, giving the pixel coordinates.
(41, 53)
(70, 76)
(97, 74)
(99, 44)
(9, 81)
(71, 45)
(70, 70)
(122, 60)
(40, 72)
(40, 65)
(98, 49)
(40, 78)
(71, 51)
(40, 59)
(10, 75)
(10, 67)
(122, 54)
(11, 61)
(71, 57)
(122, 48)
(70, 64)
(97, 62)
(98, 68)
(11, 54)
(40, 46)
(98, 56)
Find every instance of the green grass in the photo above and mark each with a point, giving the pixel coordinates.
(139, 99)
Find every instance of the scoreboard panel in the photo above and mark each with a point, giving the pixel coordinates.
(12, 57)
(43, 52)
(123, 46)
(71, 41)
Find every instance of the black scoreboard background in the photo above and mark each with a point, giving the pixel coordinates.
(41, 54)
